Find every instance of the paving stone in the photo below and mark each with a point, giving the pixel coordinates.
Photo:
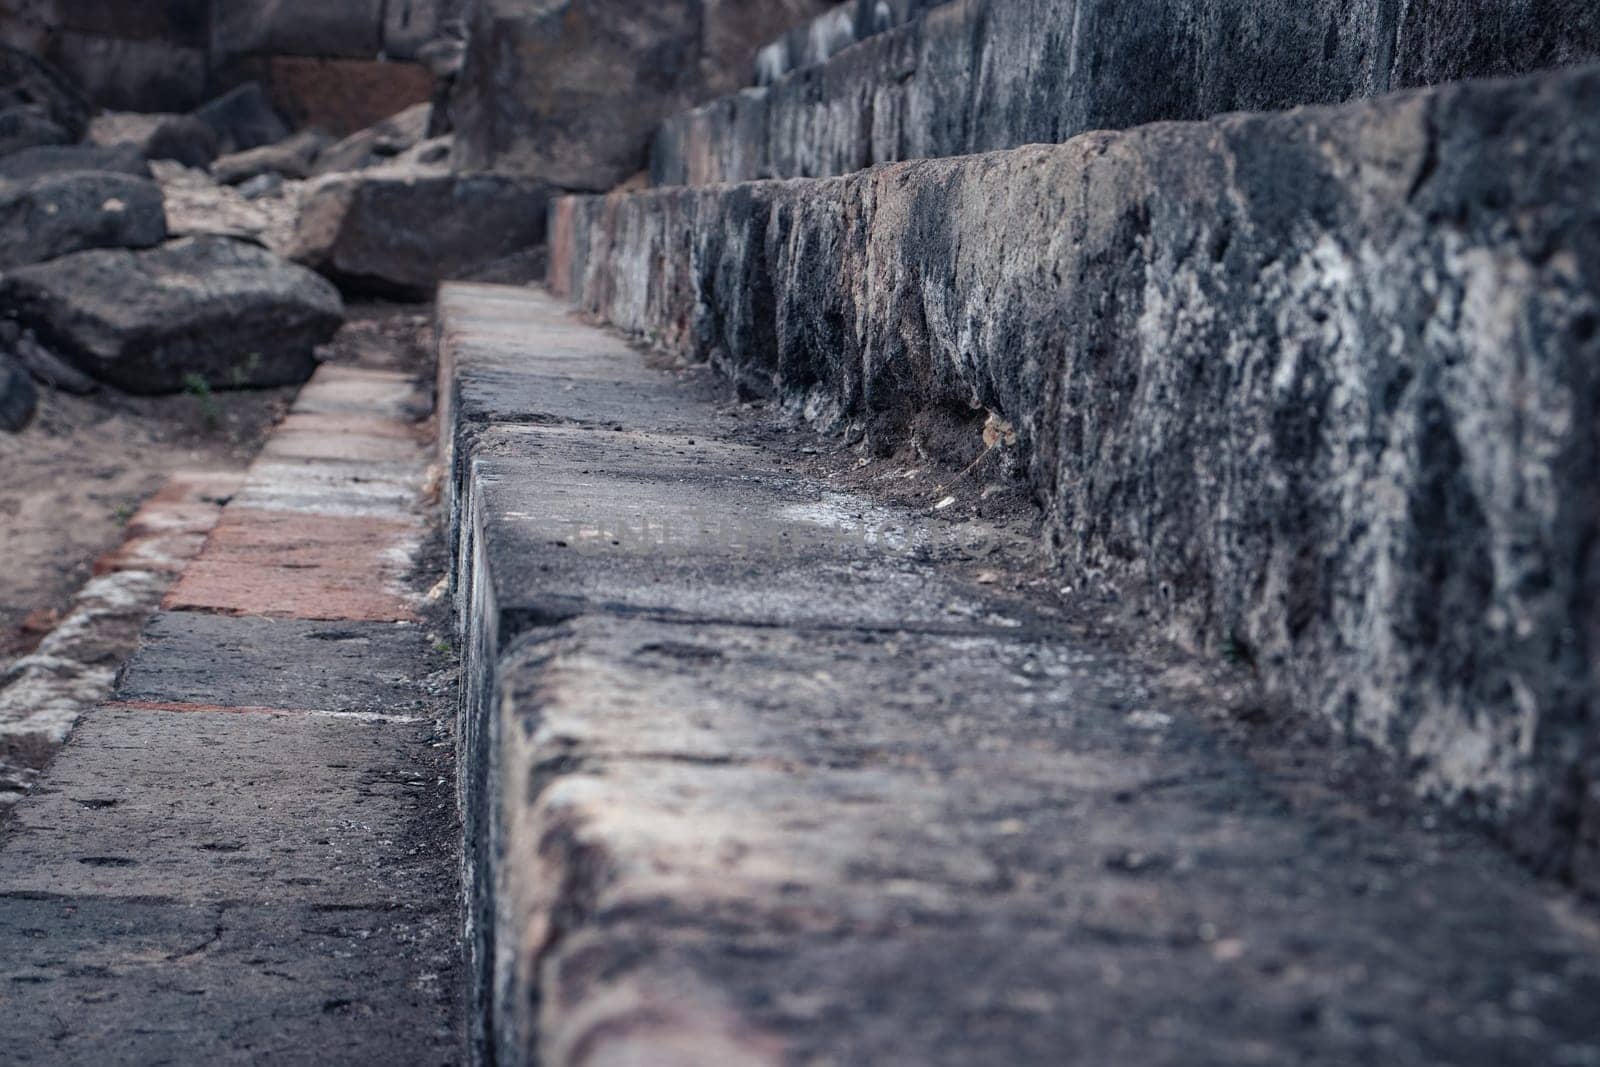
(217, 983)
(195, 658)
(245, 807)
(312, 557)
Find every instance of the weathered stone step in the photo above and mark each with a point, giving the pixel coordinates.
(757, 771)
(979, 75)
(1313, 388)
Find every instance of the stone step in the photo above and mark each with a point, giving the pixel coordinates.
(979, 75)
(757, 770)
(1312, 388)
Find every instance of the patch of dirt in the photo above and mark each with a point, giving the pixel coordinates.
(73, 478)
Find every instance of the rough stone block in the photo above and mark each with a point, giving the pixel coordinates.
(57, 214)
(402, 228)
(1314, 388)
(208, 309)
(978, 75)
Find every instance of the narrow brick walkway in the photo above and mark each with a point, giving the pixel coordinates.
(249, 853)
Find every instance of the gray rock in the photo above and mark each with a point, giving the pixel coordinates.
(181, 138)
(242, 119)
(18, 396)
(1314, 389)
(570, 93)
(290, 158)
(56, 214)
(57, 159)
(377, 144)
(231, 314)
(262, 185)
(28, 81)
(47, 368)
(402, 228)
(974, 75)
(22, 128)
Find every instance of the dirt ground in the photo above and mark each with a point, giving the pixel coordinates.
(72, 479)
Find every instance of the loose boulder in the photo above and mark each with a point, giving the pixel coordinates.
(400, 229)
(291, 158)
(58, 214)
(19, 397)
(26, 81)
(243, 119)
(22, 128)
(377, 144)
(58, 159)
(181, 138)
(210, 309)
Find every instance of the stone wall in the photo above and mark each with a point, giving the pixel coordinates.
(1315, 390)
(342, 64)
(569, 91)
(978, 75)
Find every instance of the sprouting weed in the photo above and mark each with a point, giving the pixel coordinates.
(196, 386)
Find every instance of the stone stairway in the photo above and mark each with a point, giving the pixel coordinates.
(1311, 388)
(758, 769)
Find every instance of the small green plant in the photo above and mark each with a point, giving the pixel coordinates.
(241, 374)
(123, 512)
(442, 647)
(196, 386)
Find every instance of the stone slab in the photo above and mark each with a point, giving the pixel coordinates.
(572, 520)
(307, 563)
(216, 983)
(244, 808)
(847, 847)
(344, 666)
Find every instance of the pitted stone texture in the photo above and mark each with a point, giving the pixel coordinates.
(979, 75)
(202, 309)
(1310, 386)
(278, 982)
(569, 92)
(863, 848)
(832, 32)
(161, 804)
(54, 215)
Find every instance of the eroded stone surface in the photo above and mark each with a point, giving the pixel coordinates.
(734, 794)
(976, 75)
(402, 227)
(56, 214)
(1259, 368)
(202, 309)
